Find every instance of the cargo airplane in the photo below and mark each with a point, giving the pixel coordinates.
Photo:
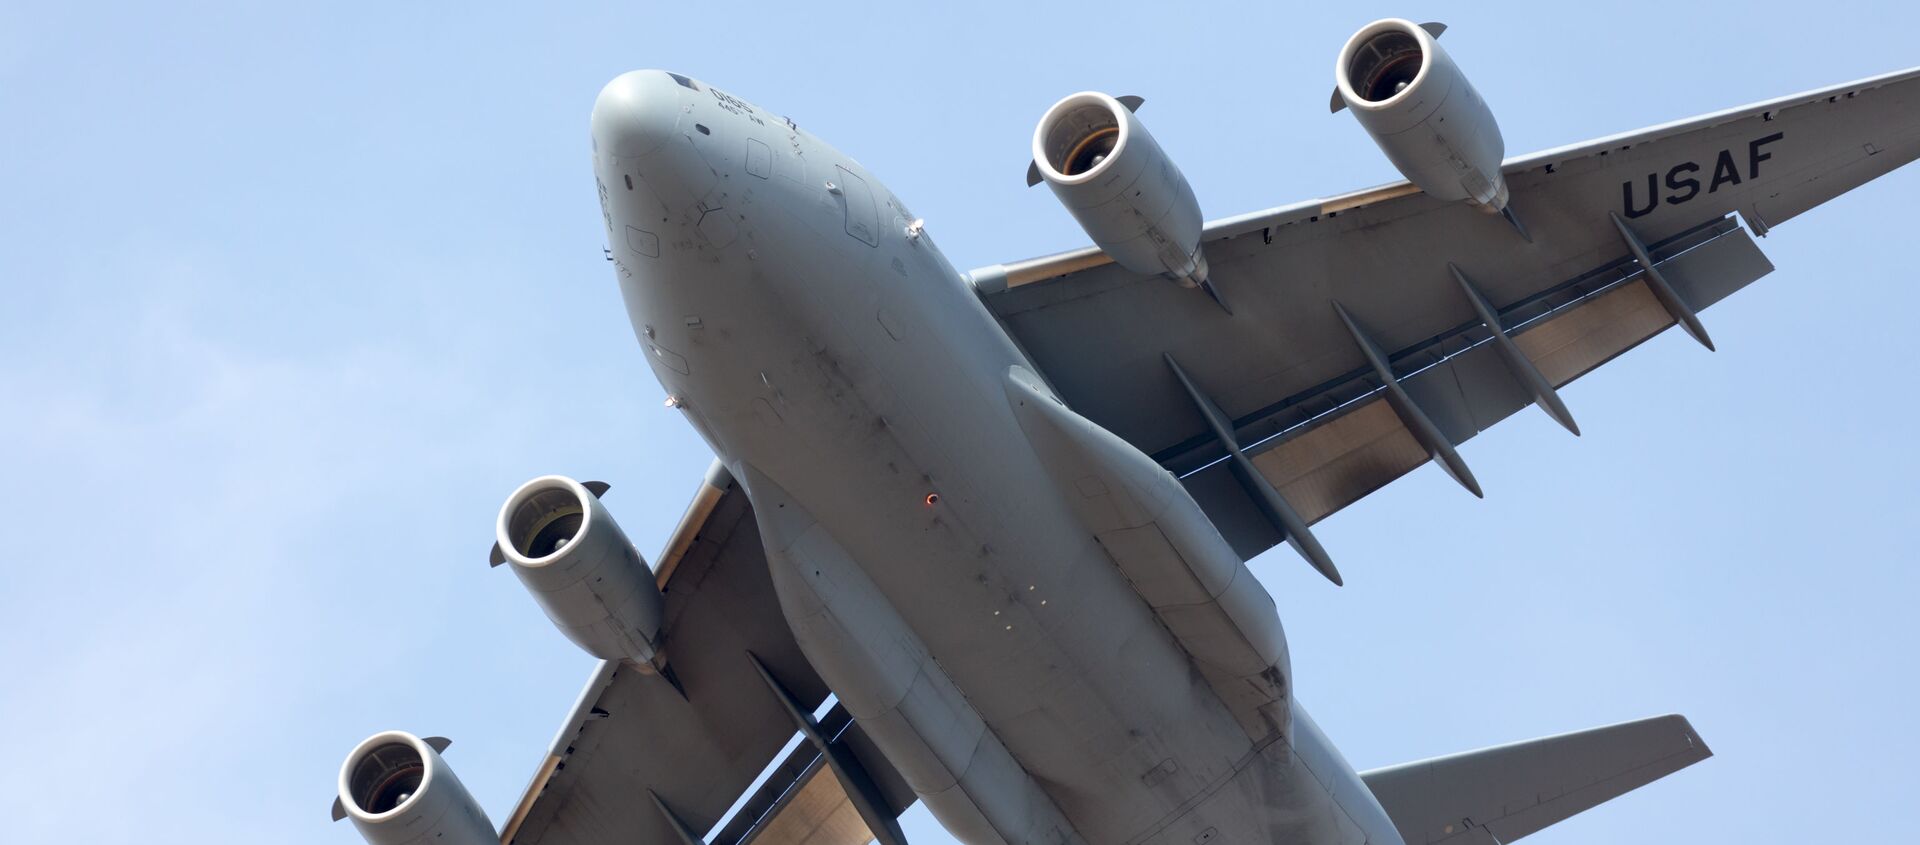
(979, 540)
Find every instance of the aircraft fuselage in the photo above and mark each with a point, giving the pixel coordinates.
(938, 575)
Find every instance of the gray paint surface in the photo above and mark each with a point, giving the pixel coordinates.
(916, 617)
(421, 300)
(937, 578)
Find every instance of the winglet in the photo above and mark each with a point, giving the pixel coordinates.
(496, 557)
(597, 488)
(339, 809)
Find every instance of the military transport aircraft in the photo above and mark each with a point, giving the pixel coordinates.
(1002, 517)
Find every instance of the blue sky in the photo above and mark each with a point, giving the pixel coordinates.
(295, 294)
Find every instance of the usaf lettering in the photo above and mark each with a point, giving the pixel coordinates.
(1682, 179)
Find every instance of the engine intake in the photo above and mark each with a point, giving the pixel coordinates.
(581, 568)
(1418, 106)
(1100, 161)
(398, 791)
(1385, 65)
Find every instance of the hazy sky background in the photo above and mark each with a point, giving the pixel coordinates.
(295, 294)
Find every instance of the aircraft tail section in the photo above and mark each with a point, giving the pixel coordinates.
(1509, 791)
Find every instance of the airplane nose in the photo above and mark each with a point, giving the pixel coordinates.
(636, 113)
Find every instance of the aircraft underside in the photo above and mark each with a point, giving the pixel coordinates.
(1003, 518)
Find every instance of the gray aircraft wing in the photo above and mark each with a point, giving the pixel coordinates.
(699, 741)
(1374, 331)
(1503, 793)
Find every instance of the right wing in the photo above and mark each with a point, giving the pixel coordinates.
(1512, 790)
(1356, 352)
(699, 741)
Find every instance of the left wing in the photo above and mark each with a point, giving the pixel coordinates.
(1374, 331)
(699, 741)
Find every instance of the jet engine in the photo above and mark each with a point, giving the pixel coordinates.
(1113, 177)
(398, 791)
(581, 568)
(1410, 96)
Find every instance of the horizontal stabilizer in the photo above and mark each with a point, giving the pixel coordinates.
(1512, 790)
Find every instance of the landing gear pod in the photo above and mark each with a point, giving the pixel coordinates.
(1102, 164)
(398, 791)
(1410, 96)
(565, 547)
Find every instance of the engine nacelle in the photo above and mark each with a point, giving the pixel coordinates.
(398, 791)
(1410, 96)
(1114, 178)
(590, 580)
